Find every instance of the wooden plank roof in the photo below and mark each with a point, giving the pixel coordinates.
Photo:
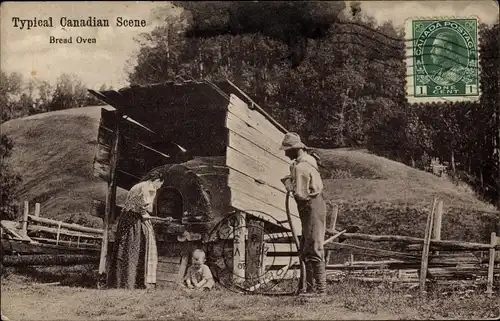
(161, 124)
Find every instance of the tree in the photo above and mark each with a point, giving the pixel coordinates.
(489, 114)
(45, 92)
(10, 93)
(292, 23)
(20, 98)
(69, 93)
(9, 180)
(159, 57)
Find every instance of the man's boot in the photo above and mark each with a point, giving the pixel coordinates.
(320, 277)
(309, 279)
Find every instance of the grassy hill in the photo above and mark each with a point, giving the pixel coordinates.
(387, 197)
(54, 154)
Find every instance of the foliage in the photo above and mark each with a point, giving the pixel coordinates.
(10, 90)
(9, 180)
(20, 97)
(69, 93)
(292, 23)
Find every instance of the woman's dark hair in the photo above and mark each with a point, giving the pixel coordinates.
(151, 176)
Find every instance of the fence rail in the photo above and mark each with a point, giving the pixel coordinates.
(429, 259)
(42, 241)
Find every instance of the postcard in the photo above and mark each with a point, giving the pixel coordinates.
(250, 160)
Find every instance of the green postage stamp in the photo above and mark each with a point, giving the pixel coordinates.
(442, 60)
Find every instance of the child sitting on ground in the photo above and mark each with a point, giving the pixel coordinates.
(198, 275)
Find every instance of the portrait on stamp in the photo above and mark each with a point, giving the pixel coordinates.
(446, 57)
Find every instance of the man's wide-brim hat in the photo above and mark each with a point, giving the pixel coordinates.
(292, 141)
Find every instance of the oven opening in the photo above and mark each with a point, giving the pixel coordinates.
(169, 204)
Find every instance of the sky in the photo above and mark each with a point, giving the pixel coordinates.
(399, 11)
(30, 53)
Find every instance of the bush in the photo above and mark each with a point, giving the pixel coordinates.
(9, 180)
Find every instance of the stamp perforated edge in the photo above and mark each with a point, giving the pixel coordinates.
(408, 40)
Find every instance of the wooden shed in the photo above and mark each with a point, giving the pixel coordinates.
(219, 154)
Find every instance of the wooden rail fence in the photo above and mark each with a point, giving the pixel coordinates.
(41, 241)
(428, 259)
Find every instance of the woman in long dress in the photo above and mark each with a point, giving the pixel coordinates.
(134, 258)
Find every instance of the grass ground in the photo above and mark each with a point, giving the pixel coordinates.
(24, 299)
(387, 197)
(361, 177)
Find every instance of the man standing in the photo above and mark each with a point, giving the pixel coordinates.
(305, 183)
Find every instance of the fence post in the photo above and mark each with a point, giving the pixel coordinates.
(425, 249)
(110, 203)
(438, 218)
(330, 224)
(24, 222)
(491, 264)
(37, 209)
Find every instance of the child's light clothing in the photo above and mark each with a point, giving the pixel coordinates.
(196, 274)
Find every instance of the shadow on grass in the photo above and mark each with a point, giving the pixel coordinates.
(84, 276)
